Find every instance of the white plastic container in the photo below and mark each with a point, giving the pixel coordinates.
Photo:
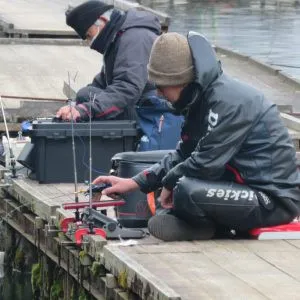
(17, 144)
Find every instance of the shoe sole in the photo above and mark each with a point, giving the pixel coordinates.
(169, 228)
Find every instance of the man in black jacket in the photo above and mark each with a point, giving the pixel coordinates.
(235, 167)
(125, 41)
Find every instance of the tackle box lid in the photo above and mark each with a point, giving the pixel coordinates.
(109, 129)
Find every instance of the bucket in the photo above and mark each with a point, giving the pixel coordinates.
(136, 212)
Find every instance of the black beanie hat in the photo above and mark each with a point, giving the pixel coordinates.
(83, 16)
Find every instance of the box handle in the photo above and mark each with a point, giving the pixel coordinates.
(56, 137)
(111, 137)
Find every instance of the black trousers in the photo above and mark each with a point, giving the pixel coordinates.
(227, 204)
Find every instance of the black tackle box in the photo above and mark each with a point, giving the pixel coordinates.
(52, 148)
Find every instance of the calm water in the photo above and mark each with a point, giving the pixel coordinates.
(268, 33)
(15, 286)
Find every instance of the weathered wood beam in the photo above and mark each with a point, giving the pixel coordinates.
(291, 121)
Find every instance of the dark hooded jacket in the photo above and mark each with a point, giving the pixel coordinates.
(228, 126)
(123, 79)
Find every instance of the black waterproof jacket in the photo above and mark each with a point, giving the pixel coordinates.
(123, 79)
(228, 124)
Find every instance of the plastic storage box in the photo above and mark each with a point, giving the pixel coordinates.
(135, 213)
(53, 154)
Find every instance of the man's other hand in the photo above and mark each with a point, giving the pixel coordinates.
(166, 198)
(67, 112)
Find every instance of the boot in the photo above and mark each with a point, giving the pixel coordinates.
(170, 228)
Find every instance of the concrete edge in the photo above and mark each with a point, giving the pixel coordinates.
(137, 278)
(125, 5)
(36, 41)
(263, 66)
(289, 79)
(30, 197)
(291, 121)
(44, 32)
(9, 28)
(232, 53)
(6, 25)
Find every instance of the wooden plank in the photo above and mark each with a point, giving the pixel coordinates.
(255, 246)
(41, 199)
(30, 197)
(285, 263)
(189, 272)
(223, 269)
(295, 243)
(45, 199)
(258, 273)
(135, 276)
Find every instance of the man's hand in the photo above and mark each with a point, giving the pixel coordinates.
(166, 198)
(118, 185)
(67, 112)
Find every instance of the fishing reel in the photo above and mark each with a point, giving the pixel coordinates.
(92, 221)
(97, 188)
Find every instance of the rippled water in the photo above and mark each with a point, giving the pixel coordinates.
(269, 33)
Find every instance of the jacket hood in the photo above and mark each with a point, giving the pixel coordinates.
(206, 64)
(144, 19)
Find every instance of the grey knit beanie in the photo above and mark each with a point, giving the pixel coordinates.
(170, 62)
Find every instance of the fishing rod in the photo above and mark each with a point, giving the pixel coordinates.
(73, 150)
(90, 155)
(91, 220)
(24, 98)
(91, 224)
(109, 228)
(12, 157)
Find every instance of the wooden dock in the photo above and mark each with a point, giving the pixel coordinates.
(151, 269)
(41, 18)
(34, 18)
(148, 269)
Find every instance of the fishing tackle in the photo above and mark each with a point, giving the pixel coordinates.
(97, 188)
(91, 221)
